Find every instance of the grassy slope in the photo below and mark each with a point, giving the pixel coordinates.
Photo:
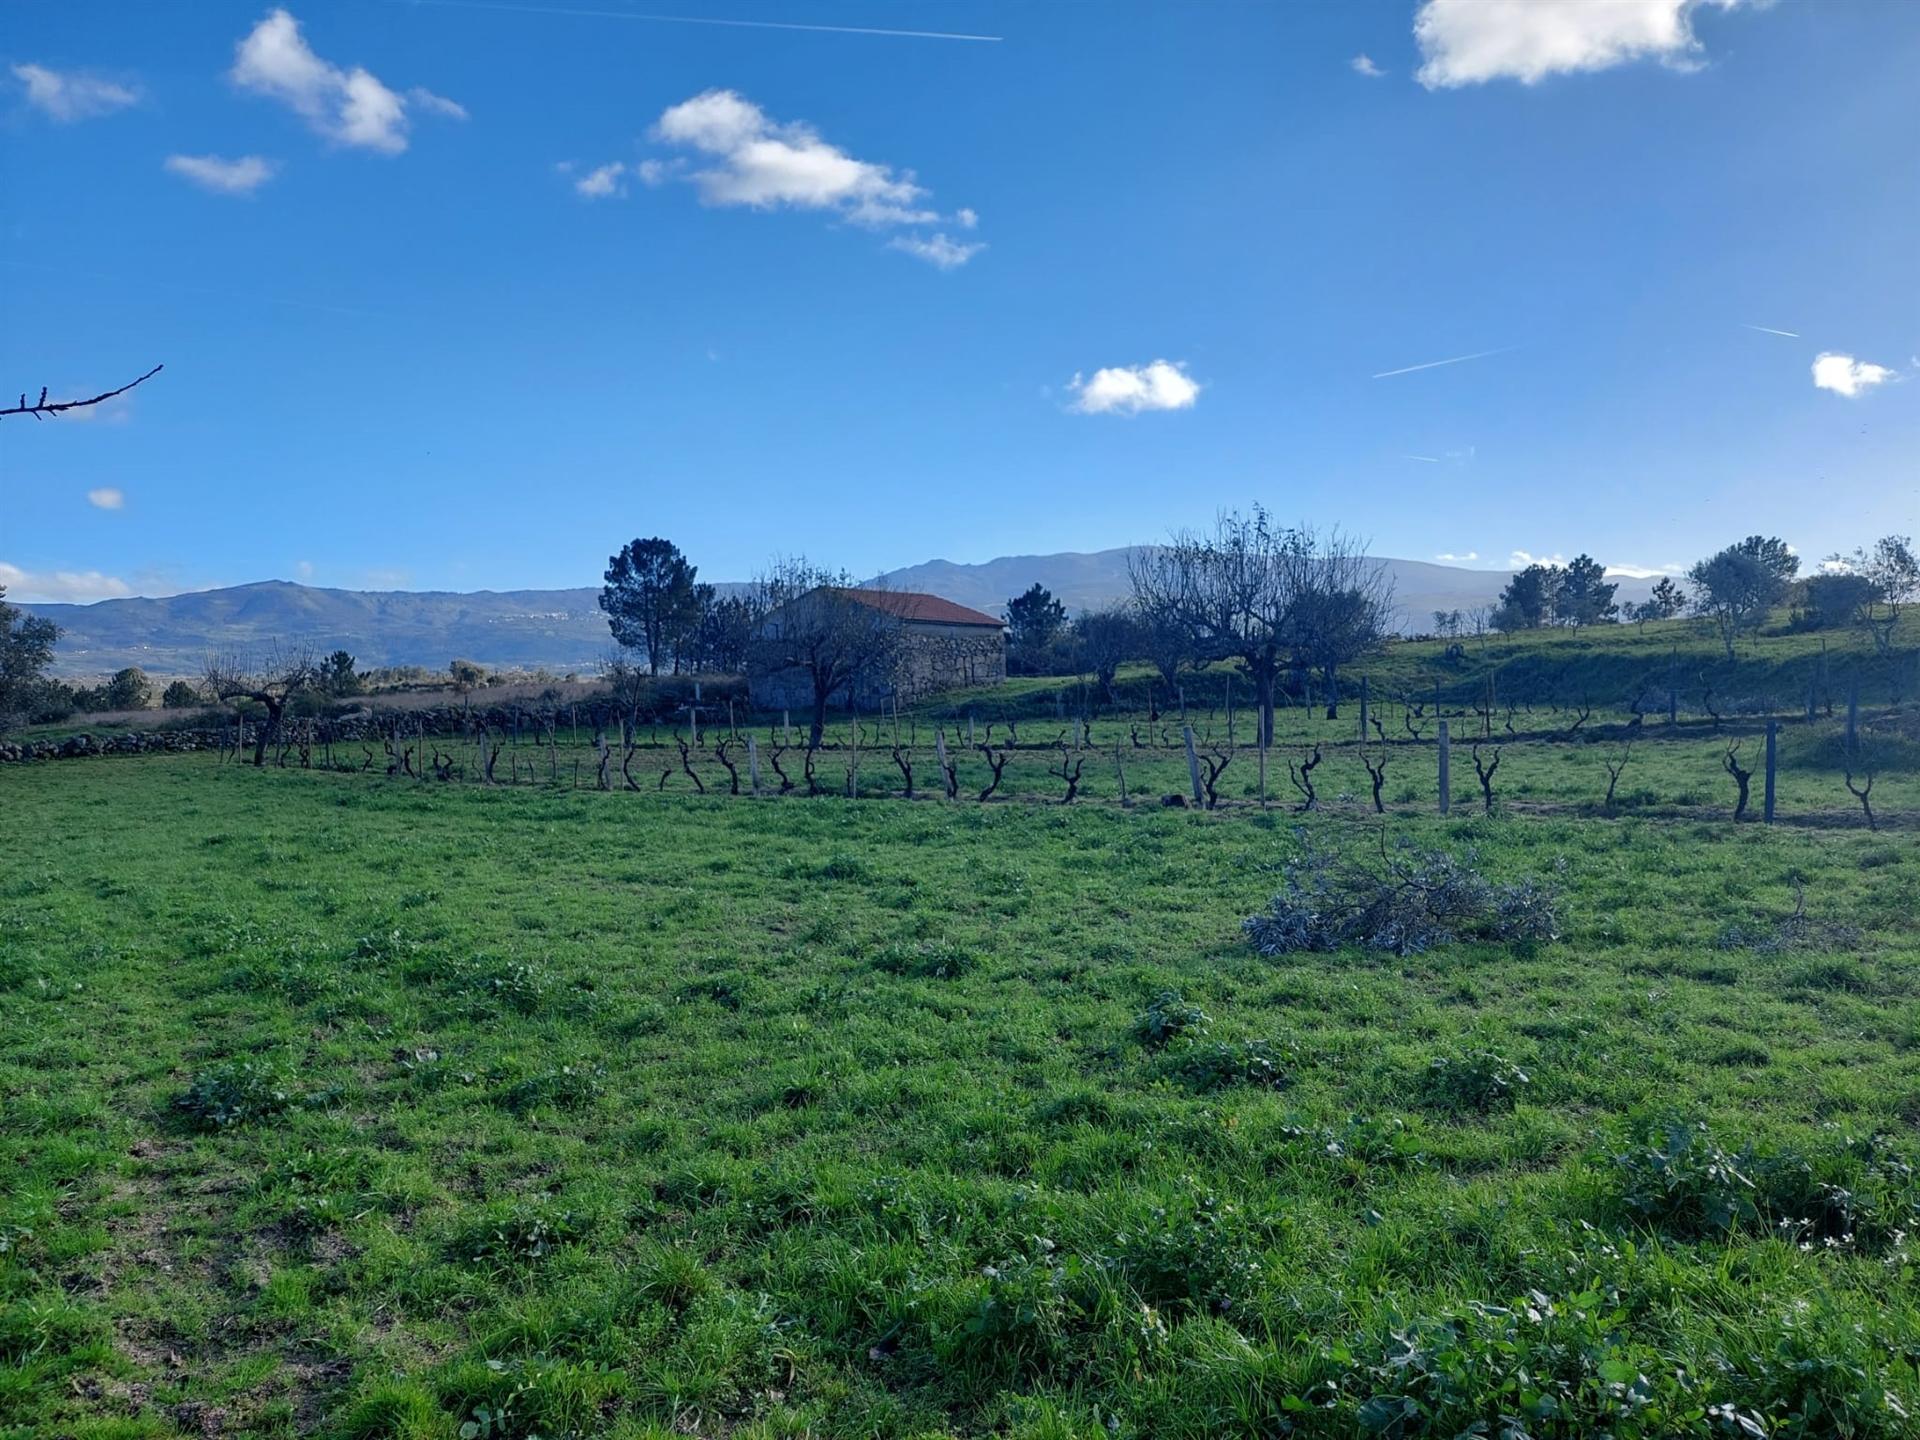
(829, 1118)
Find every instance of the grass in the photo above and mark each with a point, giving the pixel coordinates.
(339, 1105)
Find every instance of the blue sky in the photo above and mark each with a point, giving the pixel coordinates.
(880, 298)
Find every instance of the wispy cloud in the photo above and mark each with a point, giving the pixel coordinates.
(1452, 360)
(1844, 375)
(60, 586)
(1450, 558)
(347, 106)
(737, 156)
(1130, 389)
(936, 249)
(106, 498)
(241, 176)
(70, 95)
(304, 569)
(1363, 65)
(1469, 42)
(503, 5)
(599, 183)
(1769, 330)
(1646, 572)
(1427, 459)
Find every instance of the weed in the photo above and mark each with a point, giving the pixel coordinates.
(1167, 1018)
(234, 1092)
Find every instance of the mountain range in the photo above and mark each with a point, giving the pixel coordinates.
(564, 630)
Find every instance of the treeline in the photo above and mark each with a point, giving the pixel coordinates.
(1737, 589)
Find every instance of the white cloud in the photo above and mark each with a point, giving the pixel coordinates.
(228, 177)
(1646, 572)
(1363, 65)
(1129, 389)
(349, 107)
(304, 569)
(1468, 42)
(1452, 559)
(1845, 375)
(106, 498)
(72, 95)
(1520, 559)
(597, 184)
(438, 104)
(936, 249)
(764, 164)
(60, 586)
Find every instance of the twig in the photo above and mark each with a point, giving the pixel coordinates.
(41, 407)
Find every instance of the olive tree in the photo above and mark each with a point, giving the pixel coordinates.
(1737, 587)
(1892, 581)
(26, 650)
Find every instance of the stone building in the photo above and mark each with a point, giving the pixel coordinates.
(933, 644)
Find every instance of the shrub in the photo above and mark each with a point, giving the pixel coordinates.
(1168, 1017)
(1477, 1081)
(1405, 902)
(234, 1092)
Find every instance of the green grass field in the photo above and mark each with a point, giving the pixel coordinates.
(342, 1105)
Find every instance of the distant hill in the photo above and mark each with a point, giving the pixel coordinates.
(563, 630)
(1085, 581)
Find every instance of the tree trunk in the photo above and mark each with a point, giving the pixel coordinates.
(819, 729)
(1263, 689)
(1331, 672)
(268, 732)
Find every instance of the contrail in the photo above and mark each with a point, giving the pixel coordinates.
(703, 20)
(1457, 359)
(1430, 459)
(1769, 330)
(168, 285)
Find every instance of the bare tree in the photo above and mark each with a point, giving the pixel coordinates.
(1226, 593)
(1339, 605)
(822, 626)
(271, 684)
(1105, 638)
(1273, 598)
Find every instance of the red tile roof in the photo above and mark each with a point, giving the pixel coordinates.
(912, 605)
